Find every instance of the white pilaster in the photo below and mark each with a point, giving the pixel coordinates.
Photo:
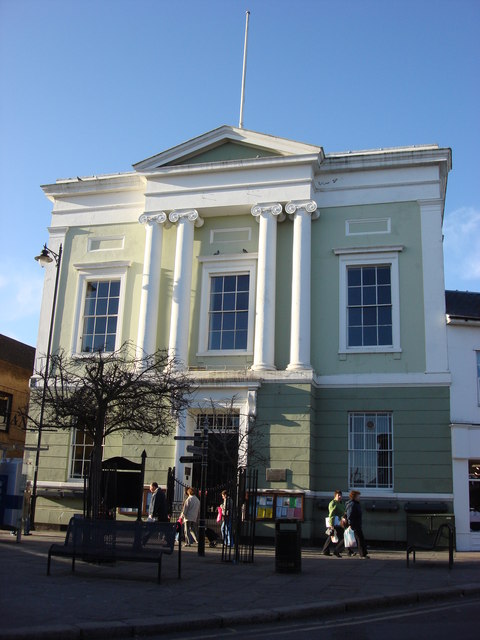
(433, 286)
(182, 283)
(264, 345)
(300, 328)
(150, 296)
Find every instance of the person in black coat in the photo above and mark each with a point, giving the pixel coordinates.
(157, 510)
(354, 515)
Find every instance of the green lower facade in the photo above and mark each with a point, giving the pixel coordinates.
(303, 435)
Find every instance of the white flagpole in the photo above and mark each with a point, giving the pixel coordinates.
(244, 73)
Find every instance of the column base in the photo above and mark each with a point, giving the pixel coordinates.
(299, 367)
(263, 367)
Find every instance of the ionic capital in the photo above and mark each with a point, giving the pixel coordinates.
(191, 215)
(150, 218)
(309, 206)
(274, 208)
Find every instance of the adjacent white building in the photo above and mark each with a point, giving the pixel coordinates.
(463, 335)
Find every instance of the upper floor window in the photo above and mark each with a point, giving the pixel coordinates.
(370, 450)
(5, 410)
(97, 324)
(227, 305)
(369, 306)
(369, 311)
(228, 312)
(100, 315)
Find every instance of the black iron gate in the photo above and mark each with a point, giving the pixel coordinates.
(240, 545)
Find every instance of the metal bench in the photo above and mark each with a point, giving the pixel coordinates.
(436, 543)
(112, 540)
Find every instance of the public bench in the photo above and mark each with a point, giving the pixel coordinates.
(437, 542)
(112, 540)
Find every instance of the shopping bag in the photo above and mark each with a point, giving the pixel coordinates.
(220, 513)
(349, 538)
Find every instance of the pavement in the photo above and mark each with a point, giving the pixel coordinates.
(125, 600)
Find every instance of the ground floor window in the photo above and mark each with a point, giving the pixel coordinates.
(82, 447)
(370, 450)
(474, 493)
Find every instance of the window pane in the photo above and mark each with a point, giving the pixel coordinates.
(354, 296)
(216, 302)
(113, 306)
(385, 336)
(115, 288)
(354, 277)
(355, 337)
(230, 283)
(383, 275)
(217, 285)
(100, 325)
(368, 276)
(369, 336)
(214, 341)
(99, 343)
(216, 321)
(243, 283)
(103, 288)
(242, 301)
(112, 325)
(228, 340)
(369, 295)
(242, 321)
(384, 295)
(229, 302)
(384, 315)
(241, 340)
(354, 317)
(228, 322)
(101, 308)
(370, 316)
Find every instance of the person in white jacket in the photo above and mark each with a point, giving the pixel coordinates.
(190, 511)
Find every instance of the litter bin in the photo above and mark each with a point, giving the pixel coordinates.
(288, 546)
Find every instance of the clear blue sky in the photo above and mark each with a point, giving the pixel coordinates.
(92, 86)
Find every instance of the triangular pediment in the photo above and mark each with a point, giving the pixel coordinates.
(225, 144)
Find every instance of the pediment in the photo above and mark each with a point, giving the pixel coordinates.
(225, 144)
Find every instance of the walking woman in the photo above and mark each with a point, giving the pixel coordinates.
(354, 515)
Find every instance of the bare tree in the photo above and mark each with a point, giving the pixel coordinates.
(104, 393)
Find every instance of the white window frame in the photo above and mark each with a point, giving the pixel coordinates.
(93, 272)
(232, 265)
(366, 489)
(369, 258)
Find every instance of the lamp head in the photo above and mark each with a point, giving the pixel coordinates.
(44, 258)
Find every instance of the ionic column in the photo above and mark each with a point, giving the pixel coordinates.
(150, 296)
(264, 345)
(300, 325)
(182, 283)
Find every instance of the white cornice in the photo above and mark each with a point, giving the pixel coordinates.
(384, 158)
(95, 184)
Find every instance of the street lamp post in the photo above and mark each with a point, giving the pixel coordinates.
(46, 257)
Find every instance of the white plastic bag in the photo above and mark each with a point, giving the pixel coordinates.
(349, 538)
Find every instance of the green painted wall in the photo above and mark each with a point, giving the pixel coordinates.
(328, 233)
(227, 151)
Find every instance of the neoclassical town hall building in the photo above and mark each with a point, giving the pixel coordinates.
(305, 288)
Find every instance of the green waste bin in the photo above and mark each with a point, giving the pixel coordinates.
(288, 546)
